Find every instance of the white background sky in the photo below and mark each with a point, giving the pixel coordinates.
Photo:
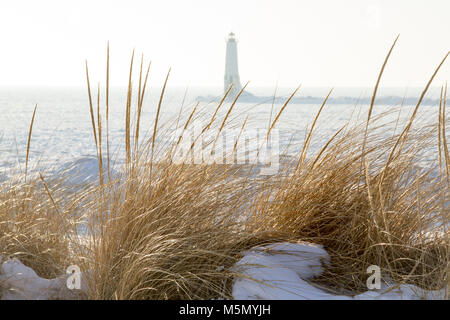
(315, 43)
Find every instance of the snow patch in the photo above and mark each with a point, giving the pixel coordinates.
(283, 271)
(19, 282)
(401, 292)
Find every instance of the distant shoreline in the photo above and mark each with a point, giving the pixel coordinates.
(383, 100)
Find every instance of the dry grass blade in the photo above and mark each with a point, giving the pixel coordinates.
(140, 80)
(217, 109)
(226, 116)
(404, 134)
(308, 138)
(128, 115)
(444, 136)
(281, 111)
(440, 130)
(141, 101)
(29, 141)
(91, 108)
(155, 127)
(182, 106)
(49, 194)
(372, 102)
(186, 125)
(273, 103)
(374, 94)
(239, 135)
(327, 145)
(211, 121)
(100, 154)
(424, 92)
(107, 114)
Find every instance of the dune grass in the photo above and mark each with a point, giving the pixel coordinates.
(368, 202)
(165, 230)
(34, 227)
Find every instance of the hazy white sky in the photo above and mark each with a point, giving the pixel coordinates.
(315, 43)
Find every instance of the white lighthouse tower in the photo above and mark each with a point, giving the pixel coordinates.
(231, 67)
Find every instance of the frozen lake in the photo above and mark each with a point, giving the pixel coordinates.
(62, 130)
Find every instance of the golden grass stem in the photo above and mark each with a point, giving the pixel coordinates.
(141, 101)
(155, 127)
(273, 104)
(405, 131)
(444, 136)
(239, 135)
(107, 114)
(440, 130)
(91, 109)
(281, 111)
(217, 109)
(49, 194)
(186, 125)
(100, 153)
(308, 138)
(30, 130)
(128, 115)
(372, 103)
(181, 107)
(226, 116)
(374, 94)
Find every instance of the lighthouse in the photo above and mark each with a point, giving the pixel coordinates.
(231, 67)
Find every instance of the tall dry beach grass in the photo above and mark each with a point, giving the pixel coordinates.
(164, 230)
